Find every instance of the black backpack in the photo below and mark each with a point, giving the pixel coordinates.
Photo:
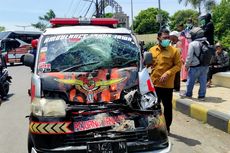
(207, 51)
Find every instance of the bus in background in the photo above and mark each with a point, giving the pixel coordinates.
(15, 44)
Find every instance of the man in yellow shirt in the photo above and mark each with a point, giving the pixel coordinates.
(166, 62)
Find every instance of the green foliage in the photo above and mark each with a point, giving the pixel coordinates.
(40, 25)
(108, 15)
(225, 40)
(149, 45)
(182, 16)
(198, 4)
(145, 22)
(2, 28)
(221, 19)
(44, 20)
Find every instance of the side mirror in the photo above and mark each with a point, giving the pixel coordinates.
(29, 60)
(148, 58)
(142, 44)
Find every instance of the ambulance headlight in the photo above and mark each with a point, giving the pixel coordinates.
(48, 107)
(148, 100)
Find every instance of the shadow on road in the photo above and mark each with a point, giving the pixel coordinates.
(212, 99)
(7, 98)
(188, 141)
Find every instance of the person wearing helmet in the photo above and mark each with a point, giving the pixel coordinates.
(34, 44)
(193, 65)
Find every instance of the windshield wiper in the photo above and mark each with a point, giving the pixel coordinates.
(79, 65)
(135, 61)
(131, 62)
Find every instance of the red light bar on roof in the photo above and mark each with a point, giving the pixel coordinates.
(64, 21)
(56, 22)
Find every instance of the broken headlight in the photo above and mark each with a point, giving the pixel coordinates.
(148, 100)
(137, 101)
(48, 107)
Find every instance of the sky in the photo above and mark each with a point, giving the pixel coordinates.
(17, 13)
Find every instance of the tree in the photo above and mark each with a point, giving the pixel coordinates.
(108, 15)
(44, 20)
(182, 16)
(221, 21)
(197, 4)
(2, 28)
(145, 22)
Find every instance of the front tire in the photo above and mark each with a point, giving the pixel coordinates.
(29, 144)
(22, 59)
(5, 89)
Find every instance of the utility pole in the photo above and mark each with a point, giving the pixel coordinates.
(103, 8)
(97, 9)
(24, 27)
(132, 14)
(159, 13)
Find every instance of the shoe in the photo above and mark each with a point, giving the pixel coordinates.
(183, 95)
(201, 98)
(209, 83)
(176, 90)
(4, 98)
(168, 131)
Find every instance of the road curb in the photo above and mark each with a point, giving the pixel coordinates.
(197, 111)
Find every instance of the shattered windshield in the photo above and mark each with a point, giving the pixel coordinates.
(86, 52)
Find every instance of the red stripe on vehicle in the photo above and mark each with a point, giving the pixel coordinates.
(150, 86)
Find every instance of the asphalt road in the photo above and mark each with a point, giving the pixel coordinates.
(188, 135)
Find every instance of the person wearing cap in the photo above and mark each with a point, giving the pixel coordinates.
(175, 42)
(166, 63)
(219, 63)
(193, 65)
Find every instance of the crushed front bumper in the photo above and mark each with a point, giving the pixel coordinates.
(58, 135)
(137, 147)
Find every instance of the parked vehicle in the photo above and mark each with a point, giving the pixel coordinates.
(91, 93)
(5, 79)
(23, 39)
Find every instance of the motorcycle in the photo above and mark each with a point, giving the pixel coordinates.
(5, 79)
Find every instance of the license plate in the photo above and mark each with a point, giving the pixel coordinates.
(107, 147)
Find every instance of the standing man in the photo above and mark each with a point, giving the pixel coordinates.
(166, 62)
(193, 65)
(208, 27)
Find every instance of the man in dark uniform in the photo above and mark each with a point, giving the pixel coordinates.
(208, 27)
